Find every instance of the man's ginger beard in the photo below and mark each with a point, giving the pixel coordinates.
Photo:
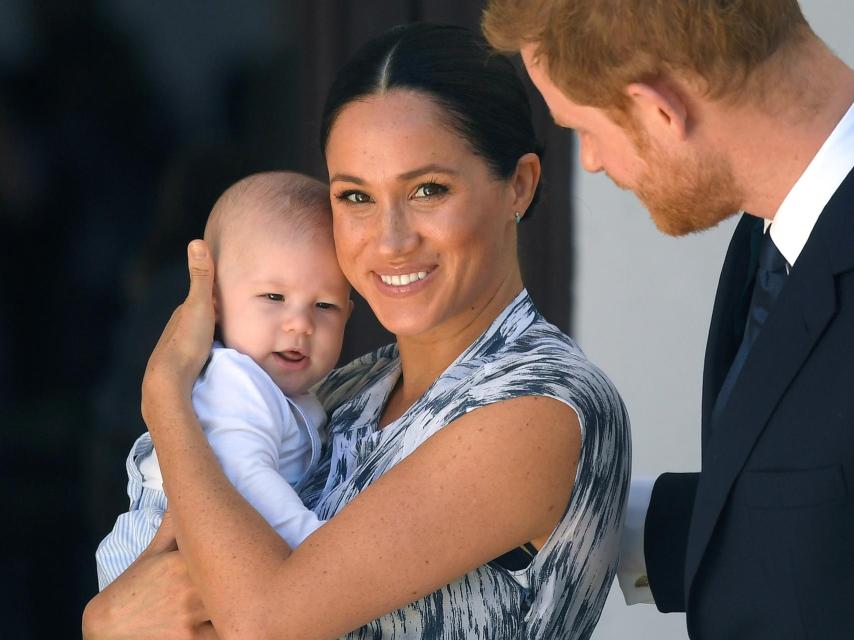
(683, 194)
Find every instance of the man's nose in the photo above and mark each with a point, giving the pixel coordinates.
(590, 160)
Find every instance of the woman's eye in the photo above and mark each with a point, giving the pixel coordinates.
(355, 197)
(429, 189)
(275, 297)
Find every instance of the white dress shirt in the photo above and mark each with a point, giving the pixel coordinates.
(792, 225)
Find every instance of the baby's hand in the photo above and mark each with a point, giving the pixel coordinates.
(185, 343)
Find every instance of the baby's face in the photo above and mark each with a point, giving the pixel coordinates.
(284, 302)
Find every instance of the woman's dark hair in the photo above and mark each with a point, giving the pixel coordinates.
(478, 88)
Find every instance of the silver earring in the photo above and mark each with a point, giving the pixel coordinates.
(517, 217)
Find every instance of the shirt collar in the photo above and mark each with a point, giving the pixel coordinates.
(796, 217)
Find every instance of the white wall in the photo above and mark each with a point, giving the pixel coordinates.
(642, 305)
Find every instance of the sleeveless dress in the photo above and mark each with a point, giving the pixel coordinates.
(561, 593)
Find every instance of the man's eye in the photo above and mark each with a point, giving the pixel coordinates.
(275, 297)
(429, 189)
(355, 197)
(325, 305)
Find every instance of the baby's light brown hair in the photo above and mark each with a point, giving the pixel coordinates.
(268, 199)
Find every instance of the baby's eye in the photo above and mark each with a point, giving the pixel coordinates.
(429, 189)
(325, 305)
(275, 297)
(354, 197)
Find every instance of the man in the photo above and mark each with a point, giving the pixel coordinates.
(703, 109)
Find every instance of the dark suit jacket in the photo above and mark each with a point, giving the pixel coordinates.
(760, 543)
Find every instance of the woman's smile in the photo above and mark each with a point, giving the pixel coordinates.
(423, 230)
(405, 281)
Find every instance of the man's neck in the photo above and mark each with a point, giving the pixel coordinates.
(769, 145)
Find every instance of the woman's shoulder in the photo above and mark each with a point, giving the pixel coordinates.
(345, 382)
(543, 360)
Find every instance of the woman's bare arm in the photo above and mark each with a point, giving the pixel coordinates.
(494, 479)
(129, 608)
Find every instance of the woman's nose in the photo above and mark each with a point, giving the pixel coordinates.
(298, 321)
(396, 235)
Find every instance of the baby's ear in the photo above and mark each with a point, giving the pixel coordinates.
(350, 306)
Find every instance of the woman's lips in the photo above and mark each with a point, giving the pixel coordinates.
(403, 283)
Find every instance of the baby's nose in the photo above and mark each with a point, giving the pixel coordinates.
(298, 322)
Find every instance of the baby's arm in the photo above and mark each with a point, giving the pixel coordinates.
(248, 422)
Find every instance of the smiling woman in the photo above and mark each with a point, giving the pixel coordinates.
(476, 470)
(424, 231)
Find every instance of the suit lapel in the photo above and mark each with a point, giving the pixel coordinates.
(798, 319)
(730, 311)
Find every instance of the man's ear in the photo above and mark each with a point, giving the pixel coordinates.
(660, 108)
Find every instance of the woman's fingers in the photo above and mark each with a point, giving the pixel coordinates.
(185, 343)
(201, 268)
(154, 598)
(194, 331)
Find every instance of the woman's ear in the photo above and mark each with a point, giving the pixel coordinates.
(525, 181)
(660, 108)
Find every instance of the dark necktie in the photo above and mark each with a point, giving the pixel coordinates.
(770, 278)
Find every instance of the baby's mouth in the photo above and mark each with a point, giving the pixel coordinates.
(291, 356)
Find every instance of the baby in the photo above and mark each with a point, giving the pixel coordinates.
(281, 305)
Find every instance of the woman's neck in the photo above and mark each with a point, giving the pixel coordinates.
(425, 357)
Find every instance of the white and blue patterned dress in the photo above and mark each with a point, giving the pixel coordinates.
(561, 593)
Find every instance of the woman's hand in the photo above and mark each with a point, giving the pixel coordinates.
(185, 343)
(154, 598)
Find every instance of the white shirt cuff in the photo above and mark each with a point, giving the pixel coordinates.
(631, 571)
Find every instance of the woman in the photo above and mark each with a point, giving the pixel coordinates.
(476, 471)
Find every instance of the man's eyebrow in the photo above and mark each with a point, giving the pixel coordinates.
(407, 175)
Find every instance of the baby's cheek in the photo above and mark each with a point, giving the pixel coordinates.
(333, 340)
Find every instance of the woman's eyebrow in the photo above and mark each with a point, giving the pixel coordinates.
(342, 177)
(408, 175)
(430, 168)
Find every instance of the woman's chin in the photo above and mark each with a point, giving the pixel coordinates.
(406, 325)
